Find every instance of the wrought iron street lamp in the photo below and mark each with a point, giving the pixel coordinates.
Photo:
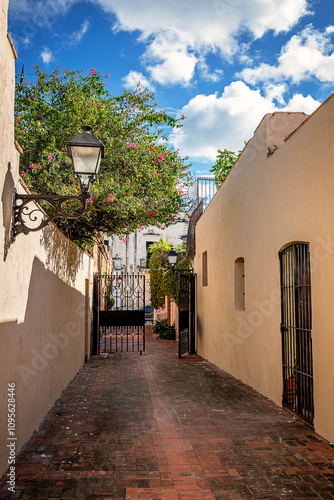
(85, 151)
(172, 258)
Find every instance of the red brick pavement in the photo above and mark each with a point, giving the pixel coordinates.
(154, 427)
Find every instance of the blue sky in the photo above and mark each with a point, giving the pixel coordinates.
(221, 63)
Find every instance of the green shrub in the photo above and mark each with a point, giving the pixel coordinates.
(163, 330)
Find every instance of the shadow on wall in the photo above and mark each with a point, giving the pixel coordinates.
(54, 310)
(63, 257)
(42, 354)
(7, 209)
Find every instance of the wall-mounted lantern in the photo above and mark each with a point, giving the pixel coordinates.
(172, 258)
(85, 151)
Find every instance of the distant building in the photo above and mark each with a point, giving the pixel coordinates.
(132, 254)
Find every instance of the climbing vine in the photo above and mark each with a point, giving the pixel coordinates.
(164, 279)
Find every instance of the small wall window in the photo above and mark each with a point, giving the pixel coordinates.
(239, 284)
(205, 269)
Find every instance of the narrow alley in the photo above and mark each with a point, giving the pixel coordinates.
(156, 427)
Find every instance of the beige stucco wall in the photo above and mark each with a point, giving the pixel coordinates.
(264, 204)
(45, 283)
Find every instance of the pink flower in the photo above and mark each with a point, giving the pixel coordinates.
(108, 74)
(50, 157)
(159, 159)
(117, 180)
(18, 119)
(135, 168)
(141, 227)
(22, 173)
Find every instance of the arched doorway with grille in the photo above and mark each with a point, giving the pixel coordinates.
(296, 326)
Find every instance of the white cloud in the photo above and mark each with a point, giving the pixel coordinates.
(301, 103)
(46, 55)
(133, 78)
(77, 36)
(206, 74)
(275, 92)
(179, 34)
(26, 41)
(39, 12)
(170, 60)
(216, 122)
(309, 54)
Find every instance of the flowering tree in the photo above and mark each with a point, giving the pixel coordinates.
(140, 177)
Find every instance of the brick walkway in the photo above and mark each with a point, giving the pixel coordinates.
(156, 427)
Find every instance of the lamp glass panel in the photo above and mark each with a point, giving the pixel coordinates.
(172, 259)
(86, 160)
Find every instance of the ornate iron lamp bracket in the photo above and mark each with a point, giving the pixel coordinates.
(28, 217)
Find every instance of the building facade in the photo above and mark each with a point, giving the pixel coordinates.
(46, 289)
(265, 263)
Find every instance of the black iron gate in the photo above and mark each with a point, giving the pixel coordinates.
(296, 330)
(187, 290)
(119, 313)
